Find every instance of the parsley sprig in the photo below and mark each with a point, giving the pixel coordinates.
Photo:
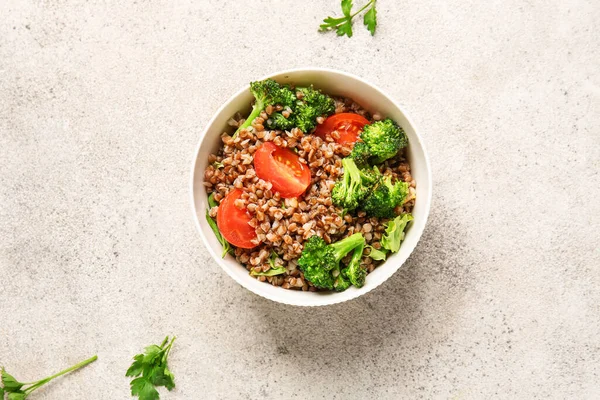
(16, 390)
(215, 228)
(275, 270)
(343, 25)
(151, 370)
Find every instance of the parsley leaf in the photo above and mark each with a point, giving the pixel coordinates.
(370, 19)
(9, 382)
(215, 228)
(144, 389)
(151, 370)
(16, 390)
(137, 367)
(275, 270)
(330, 23)
(343, 25)
(345, 29)
(347, 7)
(271, 272)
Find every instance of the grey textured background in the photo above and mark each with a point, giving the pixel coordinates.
(101, 106)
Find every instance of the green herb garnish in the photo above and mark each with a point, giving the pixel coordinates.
(271, 272)
(274, 269)
(16, 390)
(343, 25)
(213, 225)
(151, 371)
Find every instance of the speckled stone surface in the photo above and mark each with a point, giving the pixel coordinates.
(101, 106)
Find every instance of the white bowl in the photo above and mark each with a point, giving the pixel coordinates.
(335, 83)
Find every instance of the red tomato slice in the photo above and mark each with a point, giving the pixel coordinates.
(281, 167)
(233, 222)
(348, 125)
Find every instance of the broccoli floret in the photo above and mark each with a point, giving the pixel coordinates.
(394, 232)
(341, 282)
(384, 139)
(360, 154)
(354, 185)
(314, 97)
(285, 97)
(319, 277)
(317, 253)
(267, 92)
(313, 104)
(304, 111)
(386, 196)
(318, 259)
(370, 176)
(356, 273)
(278, 121)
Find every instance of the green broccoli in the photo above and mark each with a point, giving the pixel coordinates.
(354, 185)
(319, 277)
(360, 154)
(341, 282)
(286, 96)
(355, 272)
(394, 232)
(386, 196)
(384, 139)
(267, 92)
(279, 122)
(303, 111)
(319, 259)
(370, 176)
(313, 104)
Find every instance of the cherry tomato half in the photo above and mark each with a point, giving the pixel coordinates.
(348, 125)
(281, 167)
(233, 222)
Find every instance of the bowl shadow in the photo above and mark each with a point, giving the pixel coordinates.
(434, 280)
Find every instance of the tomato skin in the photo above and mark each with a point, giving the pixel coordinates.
(348, 125)
(281, 167)
(233, 222)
